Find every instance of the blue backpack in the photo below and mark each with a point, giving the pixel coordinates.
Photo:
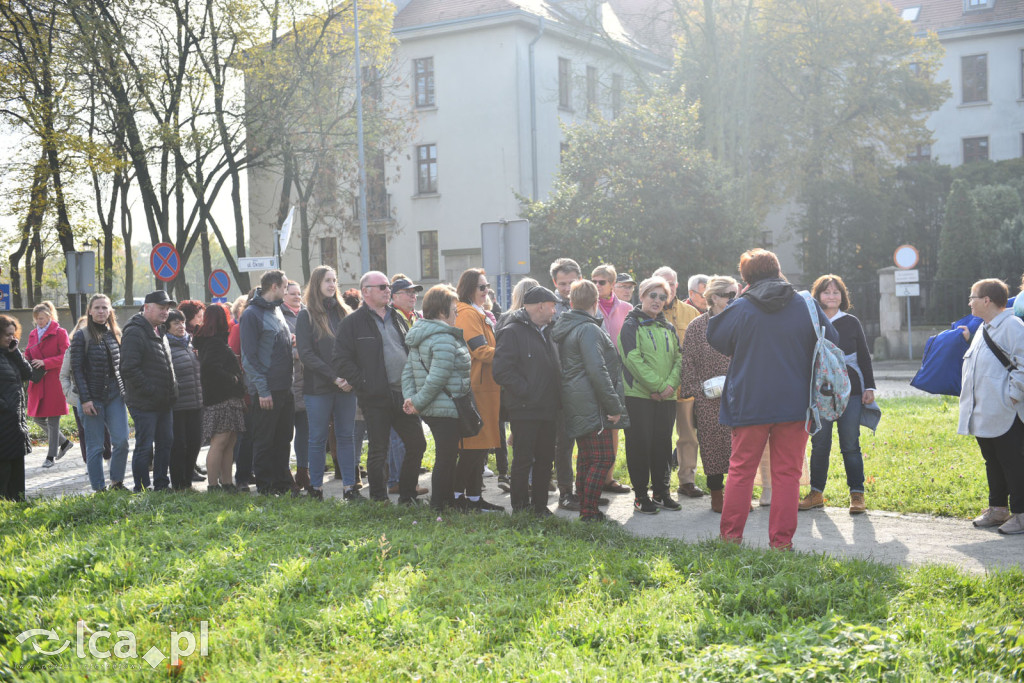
(830, 381)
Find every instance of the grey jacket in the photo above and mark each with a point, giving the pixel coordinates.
(67, 381)
(991, 396)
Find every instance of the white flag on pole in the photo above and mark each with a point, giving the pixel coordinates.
(286, 229)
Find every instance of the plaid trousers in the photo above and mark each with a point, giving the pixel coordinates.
(593, 462)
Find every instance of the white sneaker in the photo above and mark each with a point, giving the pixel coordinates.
(487, 472)
(766, 497)
(47, 463)
(1014, 525)
(992, 517)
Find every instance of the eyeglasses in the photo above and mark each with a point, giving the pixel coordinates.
(482, 288)
(657, 297)
(973, 296)
(730, 296)
(380, 287)
(600, 283)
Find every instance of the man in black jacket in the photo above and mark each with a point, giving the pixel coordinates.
(151, 389)
(527, 368)
(369, 353)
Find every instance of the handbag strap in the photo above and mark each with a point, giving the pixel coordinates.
(997, 351)
(444, 389)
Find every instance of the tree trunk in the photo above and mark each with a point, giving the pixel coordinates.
(34, 218)
(126, 236)
(37, 279)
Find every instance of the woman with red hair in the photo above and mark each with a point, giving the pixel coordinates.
(770, 338)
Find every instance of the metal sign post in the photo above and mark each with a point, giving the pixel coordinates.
(906, 257)
(505, 251)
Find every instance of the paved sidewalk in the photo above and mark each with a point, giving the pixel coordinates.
(880, 536)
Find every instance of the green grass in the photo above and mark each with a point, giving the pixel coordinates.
(298, 590)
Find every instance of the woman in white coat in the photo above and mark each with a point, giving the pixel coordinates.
(992, 403)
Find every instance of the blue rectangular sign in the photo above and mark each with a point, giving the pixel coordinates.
(5, 297)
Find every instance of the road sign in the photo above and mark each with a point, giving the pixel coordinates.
(219, 300)
(905, 257)
(220, 283)
(5, 297)
(906, 276)
(913, 289)
(251, 263)
(165, 262)
(505, 247)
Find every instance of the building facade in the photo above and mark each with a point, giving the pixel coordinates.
(489, 83)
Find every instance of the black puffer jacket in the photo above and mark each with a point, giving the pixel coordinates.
(316, 352)
(527, 368)
(186, 370)
(146, 367)
(219, 370)
(14, 372)
(91, 364)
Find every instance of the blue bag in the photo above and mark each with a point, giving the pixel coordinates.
(943, 359)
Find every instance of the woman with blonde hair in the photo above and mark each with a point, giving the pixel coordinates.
(47, 343)
(326, 395)
(95, 365)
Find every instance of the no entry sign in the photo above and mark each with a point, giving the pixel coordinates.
(165, 262)
(220, 283)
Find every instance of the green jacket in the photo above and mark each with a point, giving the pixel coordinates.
(651, 359)
(591, 375)
(439, 347)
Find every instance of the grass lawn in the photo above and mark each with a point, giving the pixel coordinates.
(299, 590)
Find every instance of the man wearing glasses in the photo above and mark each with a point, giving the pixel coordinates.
(369, 353)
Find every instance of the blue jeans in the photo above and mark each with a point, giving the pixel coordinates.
(111, 416)
(319, 410)
(849, 445)
(154, 435)
(301, 441)
(396, 455)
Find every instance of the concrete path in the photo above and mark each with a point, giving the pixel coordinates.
(881, 536)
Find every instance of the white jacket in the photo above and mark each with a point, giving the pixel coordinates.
(992, 396)
(67, 380)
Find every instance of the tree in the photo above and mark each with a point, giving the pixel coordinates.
(639, 193)
(960, 246)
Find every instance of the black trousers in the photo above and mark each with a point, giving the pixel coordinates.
(1004, 466)
(445, 431)
(649, 443)
(272, 442)
(380, 419)
(469, 473)
(533, 448)
(188, 439)
(12, 478)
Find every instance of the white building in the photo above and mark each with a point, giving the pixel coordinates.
(490, 83)
(984, 65)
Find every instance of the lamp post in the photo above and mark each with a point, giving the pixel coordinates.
(99, 265)
(364, 238)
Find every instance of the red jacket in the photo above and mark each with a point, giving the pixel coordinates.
(46, 398)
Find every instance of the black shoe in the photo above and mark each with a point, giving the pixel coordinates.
(363, 474)
(65, 447)
(197, 477)
(506, 488)
(599, 517)
(461, 504)
(315, 494)
(504, 479)
(543, 512)
(568, 501)
(241, 488)
(483, 506)
(409, 502)
(117, 486)
(201, 470)
(351, 495)
(665, 501)
(644, 506)
(603, 501)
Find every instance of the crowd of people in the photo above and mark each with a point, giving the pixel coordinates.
(721, 373)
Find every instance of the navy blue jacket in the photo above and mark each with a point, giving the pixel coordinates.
(768, 334)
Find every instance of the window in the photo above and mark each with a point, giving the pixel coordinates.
(564, 83)
(591, 90)
(329, 252)
(426, 169)
(616, 95)
(975, 149)
(910, 13)
(974, 78)
(428, 255)
(920, 154)
(423, 72)
(970, 5)
(767, 239)
(379, 253)
(1022, 73)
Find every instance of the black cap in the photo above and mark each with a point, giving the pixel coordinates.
(159, 297)
(624, 277)
(539, 295)
(404, 283)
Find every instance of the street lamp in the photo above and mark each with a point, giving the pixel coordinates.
(99, 266)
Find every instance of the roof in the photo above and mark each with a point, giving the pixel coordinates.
(943, 16)
(571, 13)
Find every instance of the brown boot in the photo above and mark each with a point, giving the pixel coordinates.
(812, 500)
(717, 498)
(302, 477)
(857, 506)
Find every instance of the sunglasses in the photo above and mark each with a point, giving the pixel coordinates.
(380, 287)
(658, 297)
(600, 283)
(730, 296)
(482, 288)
